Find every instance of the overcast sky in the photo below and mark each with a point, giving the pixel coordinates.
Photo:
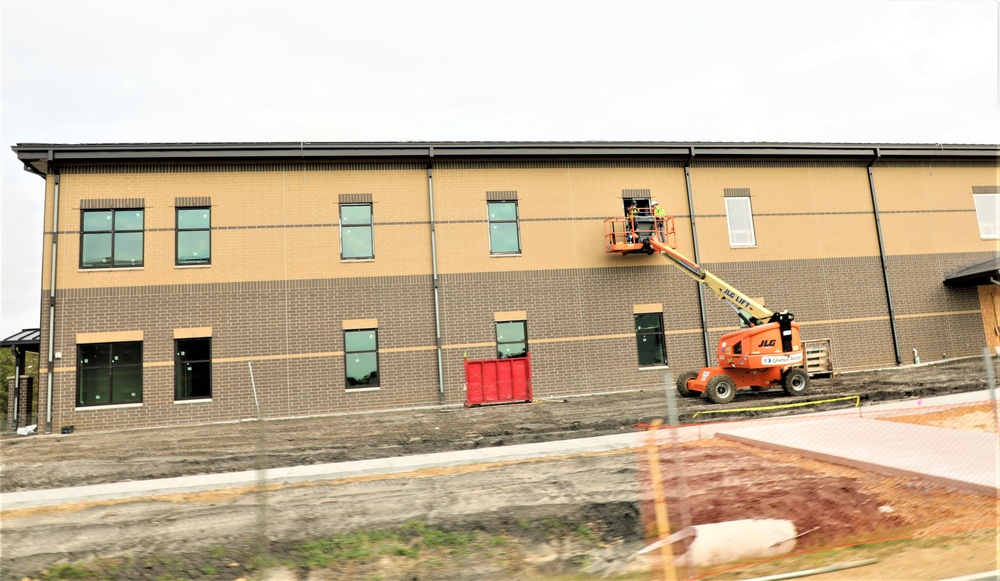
(129, 71)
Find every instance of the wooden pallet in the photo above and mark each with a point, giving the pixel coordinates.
(819, 357)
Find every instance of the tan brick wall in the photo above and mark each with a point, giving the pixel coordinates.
(277, 293)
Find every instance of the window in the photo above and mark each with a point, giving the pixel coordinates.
(356, 231)
(192, 368)
(109, 373)
(111, 238)
(739, 216)
(649, 339)
(361, 358)
(988, 214)
(194, 236)
(504, 233)
(512, 339)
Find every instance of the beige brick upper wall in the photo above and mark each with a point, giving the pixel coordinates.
(279, 225)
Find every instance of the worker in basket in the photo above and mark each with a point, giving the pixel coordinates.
(630, 214)
(659, 221)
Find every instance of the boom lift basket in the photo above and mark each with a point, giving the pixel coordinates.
(628, 235)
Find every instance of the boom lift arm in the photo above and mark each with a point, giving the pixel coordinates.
(752, 312)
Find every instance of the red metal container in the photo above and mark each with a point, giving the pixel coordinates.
(493, 381)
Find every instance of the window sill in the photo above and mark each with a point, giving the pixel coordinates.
(349, 260)
(654, 368)
(114, 406)
(743, 246)
(192, 266)
(111, 269)
(504, 255)
(359, 389)
(194, 400)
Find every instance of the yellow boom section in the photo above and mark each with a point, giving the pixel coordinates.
(758, 312)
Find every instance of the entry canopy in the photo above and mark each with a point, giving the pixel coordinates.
(981, 273)
(27, 338)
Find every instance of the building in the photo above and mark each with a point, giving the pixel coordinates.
(207, 282)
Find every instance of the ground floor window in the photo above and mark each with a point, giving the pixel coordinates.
(512, 339)
(193, 368)
(650, 345)
(109, 373)
(361, 358)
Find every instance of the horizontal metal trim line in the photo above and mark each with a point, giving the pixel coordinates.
(560, 164)
(424, 348)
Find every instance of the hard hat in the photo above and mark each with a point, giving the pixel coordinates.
(654, 203)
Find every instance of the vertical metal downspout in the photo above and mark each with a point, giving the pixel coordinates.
(434, 267)
(52, 306)
(697, 258)
(881, 253)
(18, 363)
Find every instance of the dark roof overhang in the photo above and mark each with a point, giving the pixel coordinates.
(982, 273)
(29, 339)
(42, 158)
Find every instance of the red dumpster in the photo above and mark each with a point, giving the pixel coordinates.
(493, 381)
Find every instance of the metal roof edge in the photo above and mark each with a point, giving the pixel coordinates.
(39, 157)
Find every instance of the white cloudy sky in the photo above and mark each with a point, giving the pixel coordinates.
(89, 71)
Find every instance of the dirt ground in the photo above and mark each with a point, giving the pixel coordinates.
(52, 461)
(581, 517)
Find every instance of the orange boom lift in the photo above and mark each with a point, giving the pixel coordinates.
(766, 353)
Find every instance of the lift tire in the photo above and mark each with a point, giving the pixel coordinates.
(682, 384)
(720, 389)
(794, 381)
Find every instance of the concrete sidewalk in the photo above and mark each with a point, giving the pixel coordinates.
(957, 457)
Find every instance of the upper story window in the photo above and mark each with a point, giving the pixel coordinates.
(505, 235)
(111, 238)
(739, 217)
(988, 215)
(512, 339)
(194, 236)
(356, 237)
(109, 373)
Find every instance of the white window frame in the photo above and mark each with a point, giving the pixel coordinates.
(988, 230)
(732, 205)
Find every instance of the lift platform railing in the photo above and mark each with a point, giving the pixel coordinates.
(631, 234)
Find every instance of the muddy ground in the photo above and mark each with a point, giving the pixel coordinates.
(52, 461)
(528, 519)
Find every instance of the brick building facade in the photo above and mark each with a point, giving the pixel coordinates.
(358, 276)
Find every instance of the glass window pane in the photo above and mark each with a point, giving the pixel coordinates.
(95, 386)
(510, 332)
(95, 354)
(988, 215)
(503, 238)
(97, 221)
(126, 384)
(194, 349)
(123, 353)
(503, 211)
(95, 251)
(362, 369)
(359, 340)
(194, 247)
(356, 242)
(194, 380)
(356, 215)
(188, 218)
(740, 220)
(512, 349)
(648, 323)
(128, 249)
(651, 350)
(128, 220)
